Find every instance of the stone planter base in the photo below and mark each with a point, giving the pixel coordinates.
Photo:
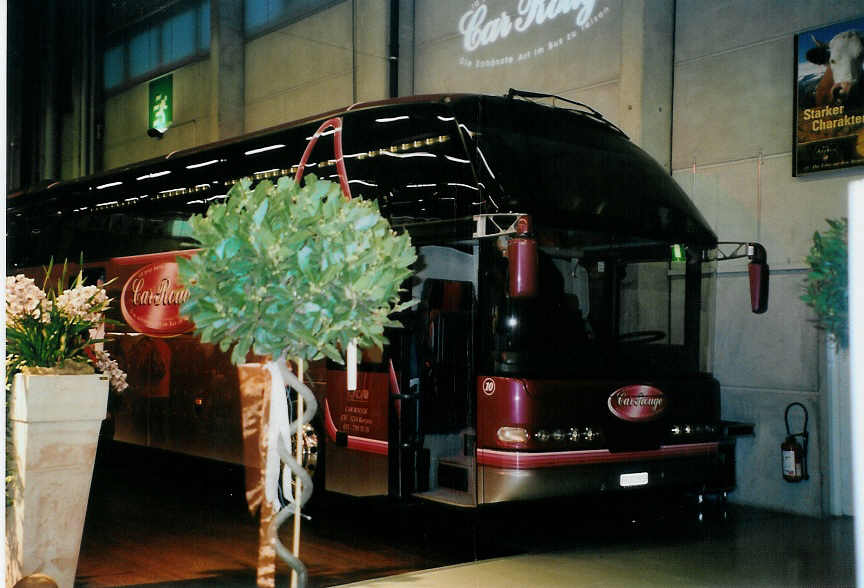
(55, 427)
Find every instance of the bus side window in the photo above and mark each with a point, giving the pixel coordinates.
(446, 349)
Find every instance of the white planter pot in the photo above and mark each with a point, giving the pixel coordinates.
(837, 424)
(55, 428)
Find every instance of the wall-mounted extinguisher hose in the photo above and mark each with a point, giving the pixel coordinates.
(793, 453)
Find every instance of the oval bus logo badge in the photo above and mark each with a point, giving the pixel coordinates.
(637, 403)
(151, 301)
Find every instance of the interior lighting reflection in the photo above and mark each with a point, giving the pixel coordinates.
(195, 202)
(101, 204)
(483, 158)
(263, 149)
(463, 185)
(324, 134)
(421, 185)
(467, 130)
(456, 159)
(421, 154)
(446, 118)
(216, 196)
(204, 164)
(108, 185)
(392, 119)
(363, 182)
(154, 175)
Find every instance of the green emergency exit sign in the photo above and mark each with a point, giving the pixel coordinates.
(161, 103)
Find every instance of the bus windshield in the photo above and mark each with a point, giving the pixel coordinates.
(600, 310)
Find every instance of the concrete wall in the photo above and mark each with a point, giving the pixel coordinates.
(301, 69)
(614, 55)
(312, 66)
(732, 152)
(330, 59)
(555, 56)
(126, 122)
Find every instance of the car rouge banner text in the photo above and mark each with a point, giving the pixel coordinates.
(505, 32)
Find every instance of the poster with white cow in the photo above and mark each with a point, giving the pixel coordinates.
(829, 98)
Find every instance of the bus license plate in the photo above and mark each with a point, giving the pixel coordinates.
(635, 479)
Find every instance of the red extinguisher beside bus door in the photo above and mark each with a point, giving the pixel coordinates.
(794, 454)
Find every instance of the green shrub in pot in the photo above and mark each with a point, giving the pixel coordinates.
(294, 272)
(827, 281)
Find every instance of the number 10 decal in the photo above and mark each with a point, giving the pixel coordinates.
(488, 386)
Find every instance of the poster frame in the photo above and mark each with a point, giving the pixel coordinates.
(840, 145)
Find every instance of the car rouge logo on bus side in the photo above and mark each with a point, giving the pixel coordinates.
(151, 301)
(637, 403)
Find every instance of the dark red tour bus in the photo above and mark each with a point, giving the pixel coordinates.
(560, 345)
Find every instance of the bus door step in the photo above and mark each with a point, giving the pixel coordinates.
(456, 482)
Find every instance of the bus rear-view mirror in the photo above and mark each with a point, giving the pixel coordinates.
(522, 265)
(758, 273)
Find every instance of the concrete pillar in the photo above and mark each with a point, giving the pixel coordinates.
(50, 124)
(645, 100)
(227, 79)
(406, 48)
(371, 32)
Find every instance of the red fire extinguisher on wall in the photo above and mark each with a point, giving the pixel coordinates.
(794, 454)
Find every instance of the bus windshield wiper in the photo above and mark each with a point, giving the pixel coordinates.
(591, 112)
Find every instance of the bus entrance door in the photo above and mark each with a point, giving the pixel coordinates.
(445, 343)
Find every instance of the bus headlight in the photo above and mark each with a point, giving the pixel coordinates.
(513, 435)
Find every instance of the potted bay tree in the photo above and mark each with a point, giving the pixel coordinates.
(293, 273)
(827, 294)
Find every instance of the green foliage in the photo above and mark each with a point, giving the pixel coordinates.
(56, 332)
(51, 342)
(294, 272)
(827, 283)
(47, 328)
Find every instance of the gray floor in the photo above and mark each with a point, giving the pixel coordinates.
(750, 548)
(162, 520)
